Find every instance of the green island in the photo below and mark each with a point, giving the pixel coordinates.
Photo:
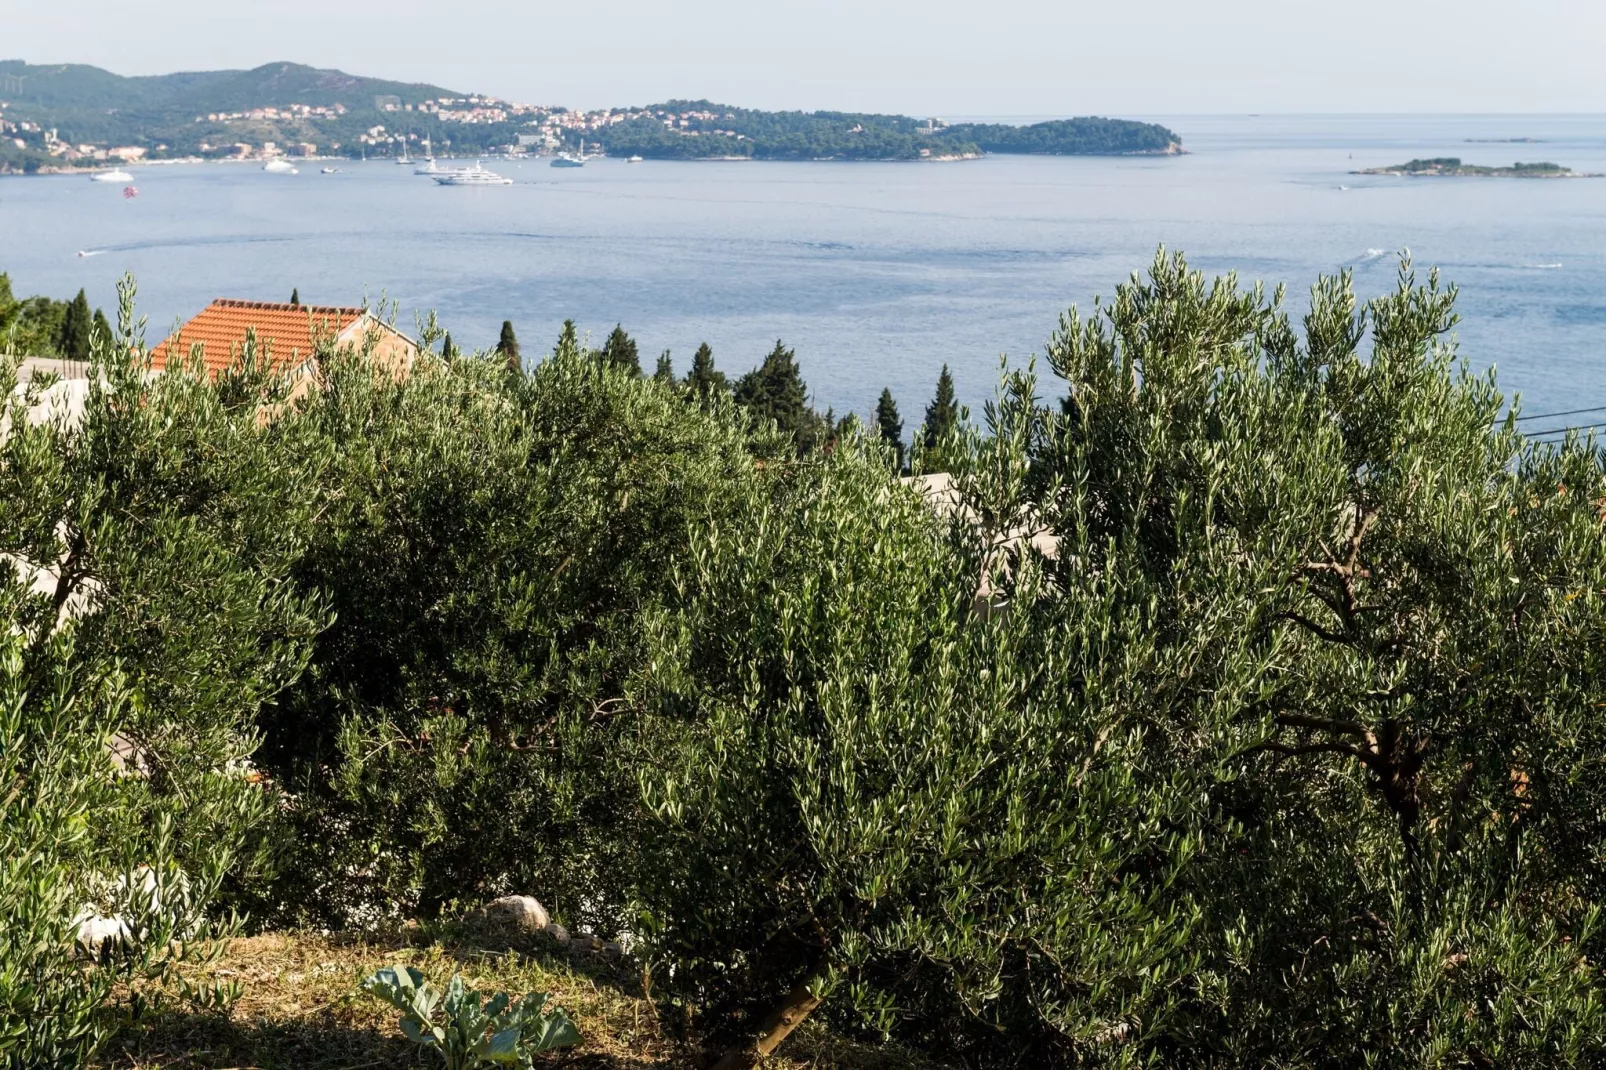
(1452, 167)
(71, 116)
(705, 130)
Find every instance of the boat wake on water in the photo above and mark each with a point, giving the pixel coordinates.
(188, 243)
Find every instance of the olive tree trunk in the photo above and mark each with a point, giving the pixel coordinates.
(788, 1014)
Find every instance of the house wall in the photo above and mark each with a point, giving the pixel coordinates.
(392, 351)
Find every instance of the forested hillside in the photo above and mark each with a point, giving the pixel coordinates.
(75, 86)
(179, 114)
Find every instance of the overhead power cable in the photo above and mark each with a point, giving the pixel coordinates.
(1563, 430)
(1565, 412)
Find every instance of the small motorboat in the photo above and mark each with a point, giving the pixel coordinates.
(331, 170)
(280, 167)
(115, 175)
(634, 159)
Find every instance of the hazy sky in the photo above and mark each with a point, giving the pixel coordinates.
(939, 57)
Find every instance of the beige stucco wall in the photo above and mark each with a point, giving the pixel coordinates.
(392, 350)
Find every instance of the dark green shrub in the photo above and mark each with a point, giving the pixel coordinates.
(863, 790)
(487, 545)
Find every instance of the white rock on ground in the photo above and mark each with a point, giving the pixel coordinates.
(142, 889)
(95, 930)
(521, 911)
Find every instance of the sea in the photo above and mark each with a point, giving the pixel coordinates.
(877, 274)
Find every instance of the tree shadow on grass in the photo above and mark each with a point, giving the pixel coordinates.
(203, 1041)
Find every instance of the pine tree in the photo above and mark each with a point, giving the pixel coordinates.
(704, 380)
(665, 372)
(942, 415)
(508, 346)
(620, 351)
(775, 391)
(73, 342)
(890, 425)
(295, 296)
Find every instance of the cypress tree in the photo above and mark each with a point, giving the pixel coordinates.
(568, 341)
(295, 296)
(942, 415)
(73, 341)
(704, 380)
(448, 349)
(508, 346)
(889, 425)
(620, 351)
(103, 329)
(775, 391)
(665, 372)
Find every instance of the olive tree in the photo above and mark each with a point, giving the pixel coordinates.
(1406, 808)
(144, 544)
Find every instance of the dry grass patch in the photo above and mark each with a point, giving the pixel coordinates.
(300, 1009)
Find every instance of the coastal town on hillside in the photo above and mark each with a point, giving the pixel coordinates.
(75, 117)
(542, 128)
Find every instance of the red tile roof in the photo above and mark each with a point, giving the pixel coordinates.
(290, 330)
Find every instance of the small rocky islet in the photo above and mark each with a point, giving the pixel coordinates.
(1453, 167)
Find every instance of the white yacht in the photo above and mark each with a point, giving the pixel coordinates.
(472, 176)
(634, 159)
(114, 175)
(279, 166)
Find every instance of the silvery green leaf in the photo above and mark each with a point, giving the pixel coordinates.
(503, 1047)
(552, 1032)
(413, 1029)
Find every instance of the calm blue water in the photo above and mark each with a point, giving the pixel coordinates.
(877, 273)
